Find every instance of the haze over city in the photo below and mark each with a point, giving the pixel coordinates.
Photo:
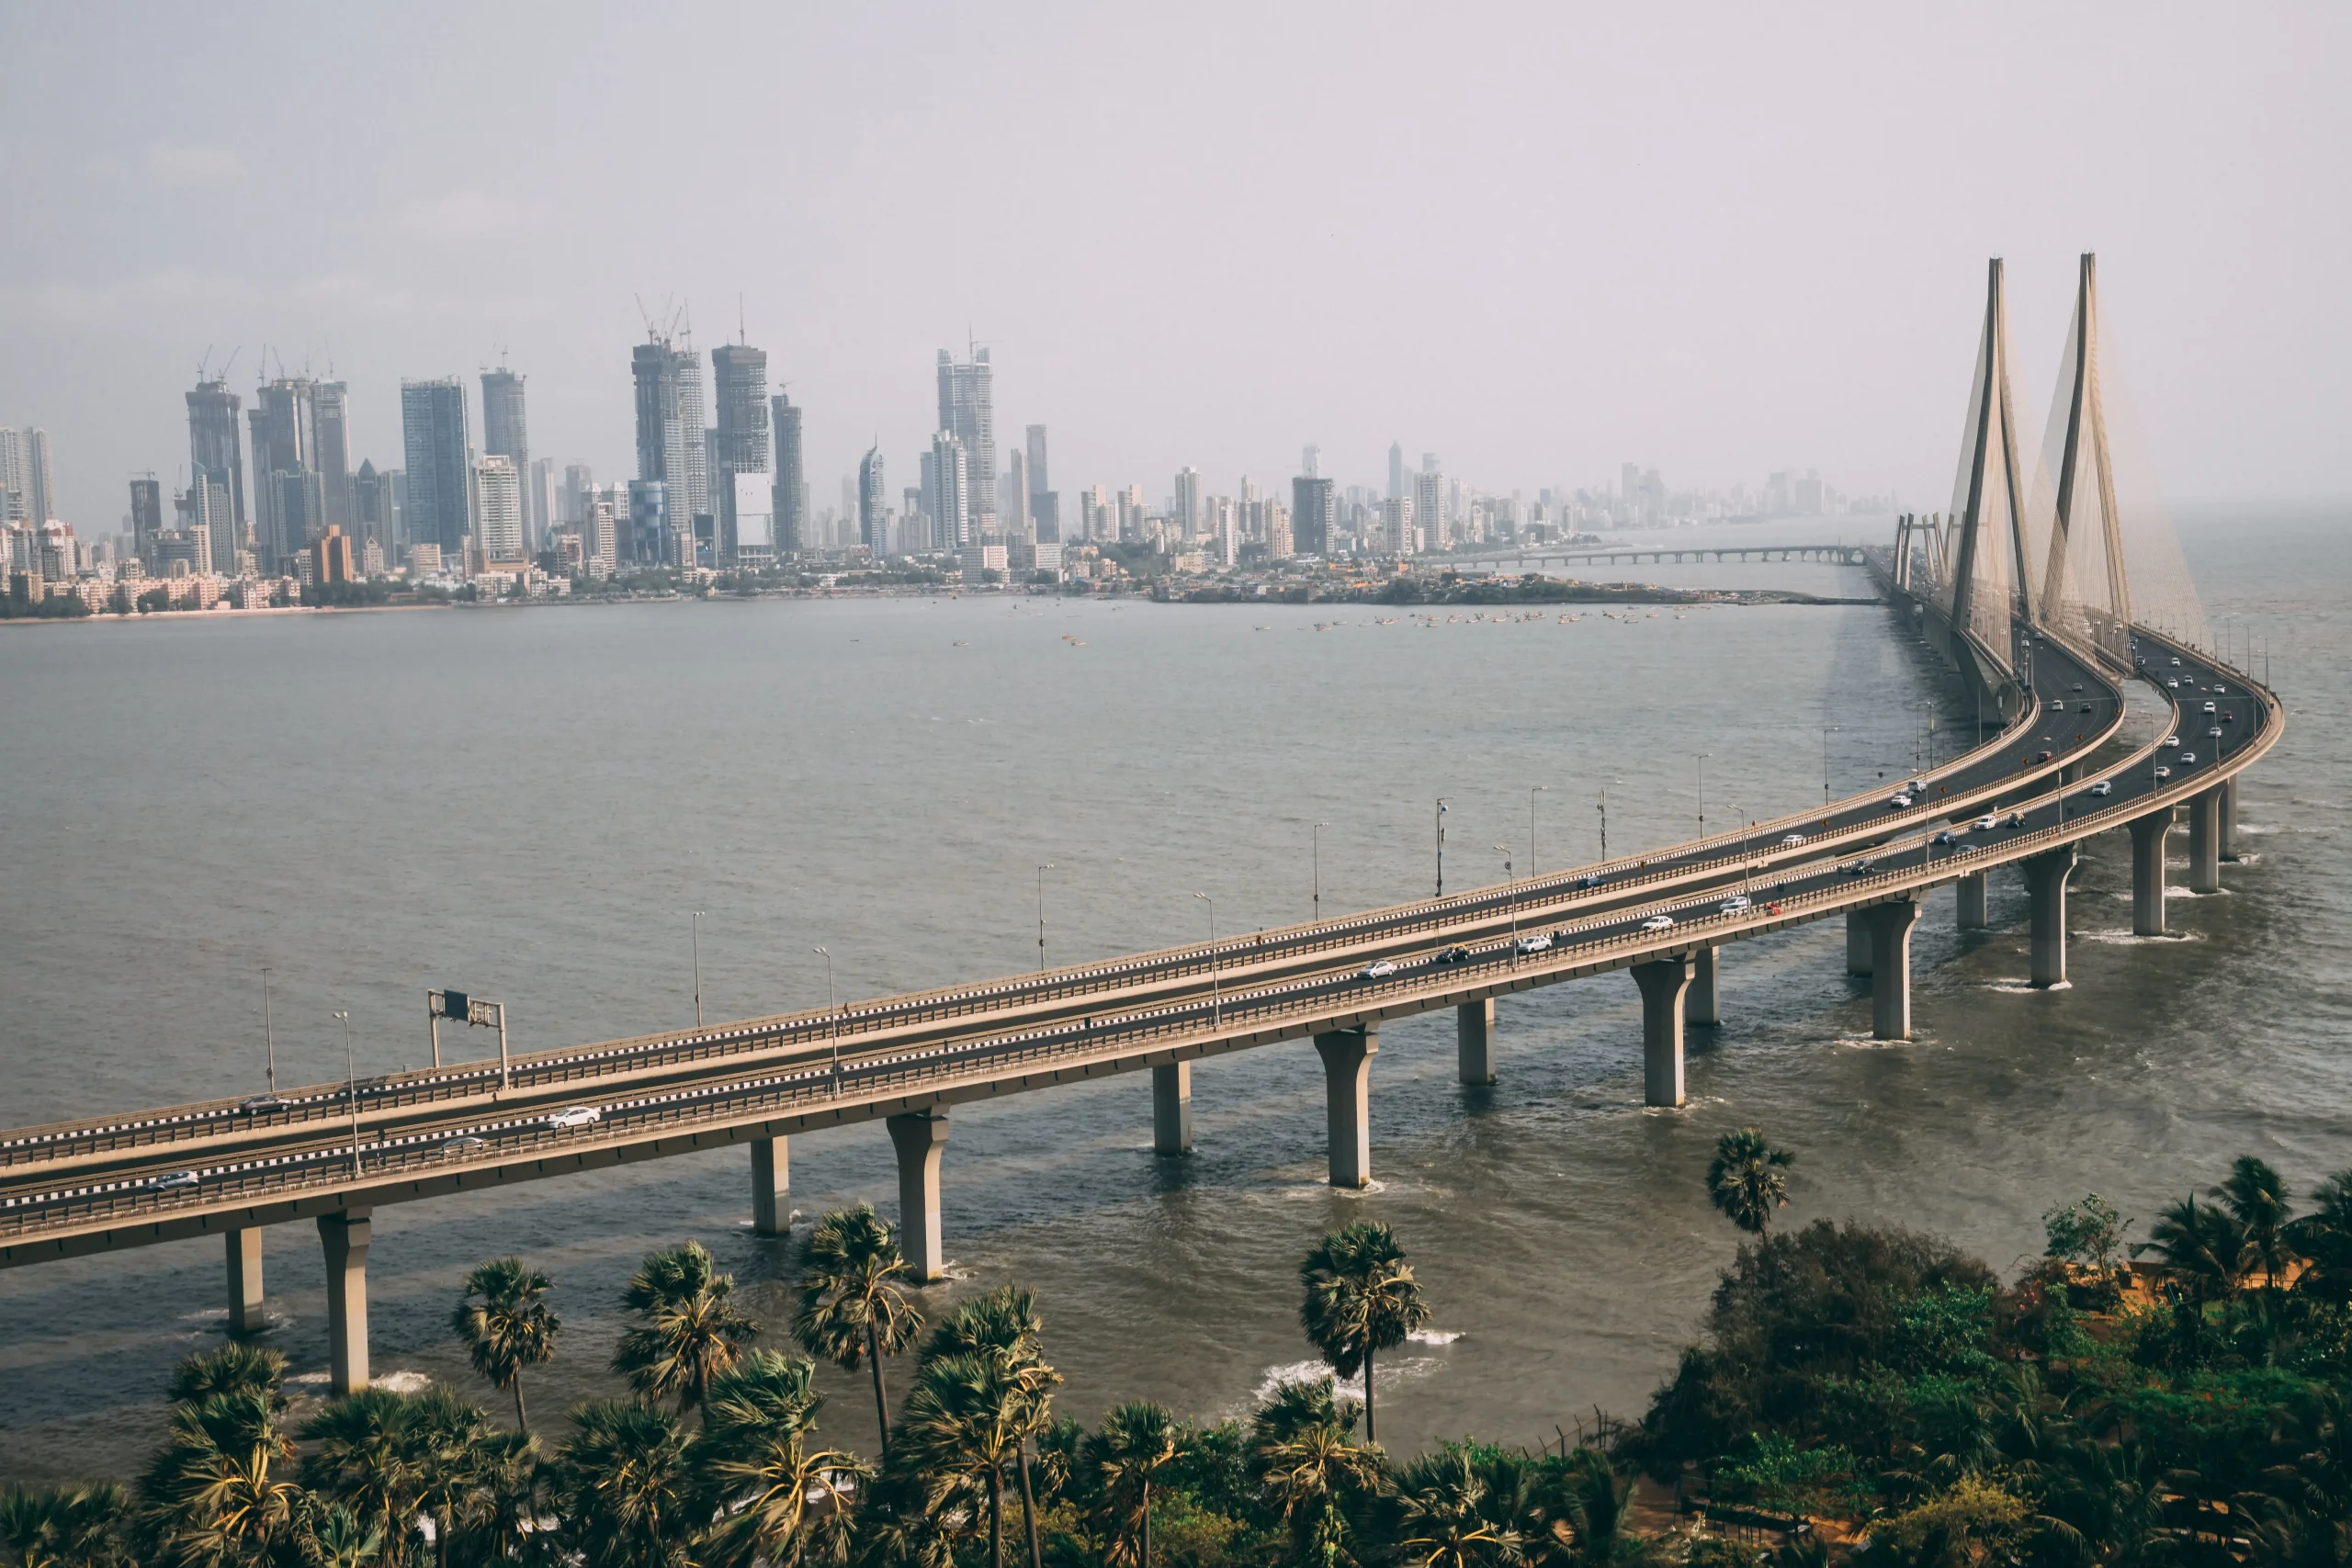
(1542, 244)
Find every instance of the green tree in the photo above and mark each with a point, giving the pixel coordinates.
(1360, 1298)
(1443, 1517)
(372, 1454)
(332, 1536)
(2324, 1236)
(964, 1421)
(853, 1308)
(691, 1333)
(444, 1431)
(222, 1489)
(504, 1320)
(2256, 1197)
(1310, 1468)
(1004, 1323)
(782, 1501)
(76, 1526)
(234, 1368)
(507, 1503)
(2200, 1244)
(1744, 1180)
(1133, 1448)
(629, 1494)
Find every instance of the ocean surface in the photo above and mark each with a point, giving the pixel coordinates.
(530, 805)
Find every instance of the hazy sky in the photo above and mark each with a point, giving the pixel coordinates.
(1538, 241)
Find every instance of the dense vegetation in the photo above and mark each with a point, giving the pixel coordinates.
(1862, 1393)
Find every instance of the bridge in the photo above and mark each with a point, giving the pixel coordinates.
(1833, 554)
(2056, 769)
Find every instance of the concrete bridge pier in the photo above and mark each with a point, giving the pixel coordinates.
(2149, 834)
(245, 1281)
(771, 1187)
(1976, 913)
(1663, 982)
(920, 1136)
(1890, 926)
(2045, 885)
(1858, 943)
(1703, 1005)
(1347, 1085)
(2230, 817)
(2205, 841)
(1473, 1025)
(346, 1235)
(1171, 1109)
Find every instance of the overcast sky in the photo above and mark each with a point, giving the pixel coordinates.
(1538, 241)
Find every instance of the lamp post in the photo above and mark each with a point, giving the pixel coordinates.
(1604, 809)
(1703, 792)
(351, 1087)
(1534, 865)
(1440, 845)
(1504, 851)
(1216, 999)
(1826, 731)
(1314, 847)
(834, 1011)
(697, 940)
(1041, 915)
(268, 1037)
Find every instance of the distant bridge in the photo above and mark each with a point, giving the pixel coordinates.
(1836, 555)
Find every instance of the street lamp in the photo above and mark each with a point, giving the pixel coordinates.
(835, 1013)
(1826, 731)
(1604, 822)
(1315, 845)
(697, 940)
(1533, 790)
(1703, 792)
(1216, 999)
(351, 1087)
(1440, 845)
(268, 1037)
(1504, 851)
(1041, 915)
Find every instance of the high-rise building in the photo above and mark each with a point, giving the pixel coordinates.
(498, 510)
(791, 491)
(1428, 503)
(331, 421)
(1397, 490)
(739, 386)
(967, 411)
(1310, 513)
(284, 425)
(1186, 519)
(1012, 499)
(375, 515)
(507, 432)
(670, 444)
(215, 445)
(146, 515)
(436, 441)
(648, 541)
(950, 476)
(1310, 461)
(207, 510)
(873, 503)
(578, 492)
(41, 476)
(541, 511)
(16, 481)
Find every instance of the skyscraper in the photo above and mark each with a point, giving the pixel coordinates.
(498, 509)
(436, 440)
(791, 508)
(670, 441)
(967, 411)
(1187, 518)
(1045, 501)
(41, 475)
(740, 382)
(505, 432)
(16, 481)
(375, 517)
(1396, 470)
(284, 425)
(1428, 503)
(146, 515)
(541, 509)
(215, 447)
(1310, 513)
(873, 503)
(951, 493)
(330, 420)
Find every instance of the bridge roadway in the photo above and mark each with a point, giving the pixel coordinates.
(335, 1152)
(1834, 555)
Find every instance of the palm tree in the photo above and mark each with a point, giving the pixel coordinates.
(504, 1320)
(1004, 1323)
(78, 1527)
(219, 1490)
(854, 1309)
(1744, 1180)
(1361, 1297)
(627, 1485)
(371, 1453)
(2255, 1196)
(783, 1503)
(508, 1500)
(235, 1368)
(332, 1536)
(2201, 1244)
(1135, 1444)
(443, 1432)
(2325, 1235)
(1307, 1461)
(690, 1332)
(1442, 1507)
(964, 1422)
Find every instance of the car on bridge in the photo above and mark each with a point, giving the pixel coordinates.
(175, 1181)
(464, 1144)
(2172, 739)
(1986, 823)
(2163, 772)
(574, 1116)
(1792, 840)
(2017, 820)
(1534, 943)
(2104, 788)
(1737, 903)
(1452, 955)
(1378, 969)
(261, 1104)
(1858, 867)
(2211, 708)
(1899, 802)
(2057, 704)
(1658, 923)
(2187, 758)
(1945, 840)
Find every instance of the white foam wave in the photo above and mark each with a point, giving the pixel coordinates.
(2132, 938)
(1392, 1370)
(1434, 1336)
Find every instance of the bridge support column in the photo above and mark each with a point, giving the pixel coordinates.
(2149, 834)
(346, 1235)
(1858, 944)
(245, 1281)
(2045, 885)
(2230, 817)
(1474, 1030)
(1663, 982)
(1975, 911)
(1171, 1109)
(1702, 1005)
(920, 1136)
(2205, 841)
(1891, 968)
(1347, 1088)
(771, 1187)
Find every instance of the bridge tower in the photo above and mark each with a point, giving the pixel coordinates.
(2077, 552)
(1989, 580)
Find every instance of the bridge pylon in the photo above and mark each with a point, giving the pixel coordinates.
(2086, 589)
(1990, 580)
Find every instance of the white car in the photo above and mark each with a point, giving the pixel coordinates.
(2172, 739)
(1900, 803)
(1735, 904)
(464, 1144)
(574, 1116)
(2057, 704)
(1658, 923)
(2174, 684)
(1792, 840)
(1378, 969)
(2163, 772)
(1536, 944)
(2211, 708)
(2215, 732)
(177, 1182)
(2187, 758)
(2103, 788)
(1985, 824)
